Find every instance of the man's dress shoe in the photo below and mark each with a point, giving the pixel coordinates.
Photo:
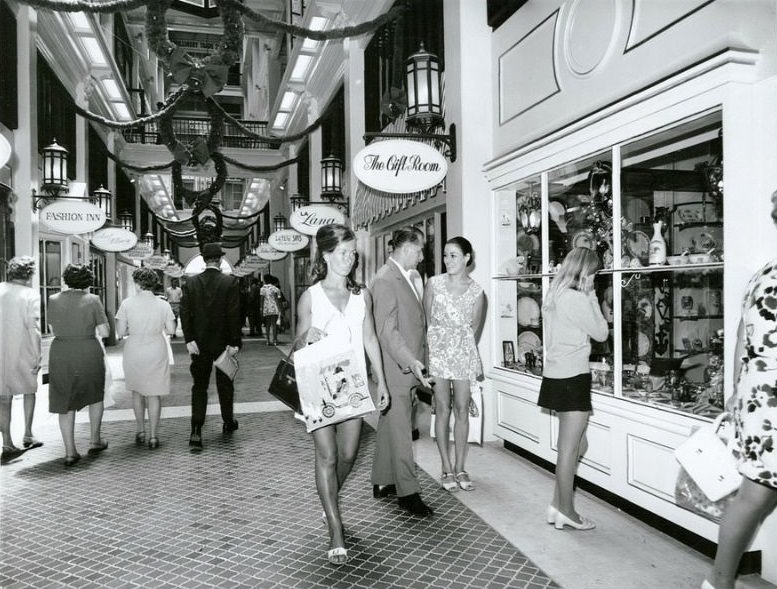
(414, 505)
(380, 491)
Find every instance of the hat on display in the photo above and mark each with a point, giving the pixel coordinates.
(211, 250)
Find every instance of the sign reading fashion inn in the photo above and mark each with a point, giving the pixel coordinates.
(72, 218)
(400, 166)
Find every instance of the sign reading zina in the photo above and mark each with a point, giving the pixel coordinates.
(308, 219)
(114, 239)
(73, 217)
(287, 240)
(400, 166)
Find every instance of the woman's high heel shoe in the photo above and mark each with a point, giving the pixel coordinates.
(140, 438)
(707, 585)
(550, 514)
(153, 443)
(562, 520)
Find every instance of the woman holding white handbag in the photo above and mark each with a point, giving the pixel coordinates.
(755, 415)
(337, 305)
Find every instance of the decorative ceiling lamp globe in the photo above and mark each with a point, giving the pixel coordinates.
(424, 92)
(54, 168)
(103, 199)
(331, 177)
(148, 239)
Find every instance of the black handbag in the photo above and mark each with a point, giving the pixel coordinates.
(284, 384)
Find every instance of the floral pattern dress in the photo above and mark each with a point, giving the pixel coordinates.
(453, 352)
(755, 414)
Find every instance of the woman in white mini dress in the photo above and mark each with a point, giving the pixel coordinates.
(337, 305)
(145, 319)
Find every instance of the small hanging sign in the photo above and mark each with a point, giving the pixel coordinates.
(269, 253)
(288, 240)
(307, 220)
(114, 239)
(72, 217)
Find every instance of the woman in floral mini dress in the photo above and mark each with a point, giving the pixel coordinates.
(755, 416)
(454, 305)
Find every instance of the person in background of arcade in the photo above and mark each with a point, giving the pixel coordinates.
(174, 294)
(77, 359)
(270, 296)
(144, 319)
(19, 352)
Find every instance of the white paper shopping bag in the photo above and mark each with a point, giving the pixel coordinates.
(332, 383)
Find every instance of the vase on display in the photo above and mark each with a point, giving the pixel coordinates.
(657, 254)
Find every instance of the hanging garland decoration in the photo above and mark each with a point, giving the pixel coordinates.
(351, 31)
(199, 150)
(270, 138)
(153, 168)
(106, 6)
(208, 224)
(202, 198)
(206, 75)
(270, 168)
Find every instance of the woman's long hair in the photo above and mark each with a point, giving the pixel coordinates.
(580, 262)
(328, 238)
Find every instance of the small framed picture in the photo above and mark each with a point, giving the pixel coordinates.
(508, 353)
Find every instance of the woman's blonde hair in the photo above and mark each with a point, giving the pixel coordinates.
(580, 262)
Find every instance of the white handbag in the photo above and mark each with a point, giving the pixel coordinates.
(709, 460)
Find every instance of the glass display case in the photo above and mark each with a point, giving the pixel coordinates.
(652, 208)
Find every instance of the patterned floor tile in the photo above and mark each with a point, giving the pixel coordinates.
(243, 513)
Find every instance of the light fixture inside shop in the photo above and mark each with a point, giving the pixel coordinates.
(148, 240)
(424, 103)
(529, 212)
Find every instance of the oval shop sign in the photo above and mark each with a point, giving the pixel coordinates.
(308, 219)
(72, 218)
(287, 240)
(114, 239)
(400, 166)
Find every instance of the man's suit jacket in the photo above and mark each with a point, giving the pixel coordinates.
(400, 325)
(210, 311)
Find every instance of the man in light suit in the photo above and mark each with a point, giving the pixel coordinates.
(401, 328)
(211, 323)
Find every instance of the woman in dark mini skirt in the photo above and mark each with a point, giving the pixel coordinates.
(571, 317)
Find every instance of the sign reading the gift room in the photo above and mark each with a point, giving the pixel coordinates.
(400, 166)
(308, 219)
(72, 218)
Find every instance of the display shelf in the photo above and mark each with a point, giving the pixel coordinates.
(691, 224)
(520, 276)
(663, 268)
(696, 317)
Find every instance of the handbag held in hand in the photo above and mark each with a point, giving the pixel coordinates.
(708, 460)
(284, 384)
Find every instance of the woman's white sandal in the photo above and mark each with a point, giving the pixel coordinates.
(462, 478)
(448, 482)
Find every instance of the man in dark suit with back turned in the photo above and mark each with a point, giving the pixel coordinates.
(401, 329)
(210, 319)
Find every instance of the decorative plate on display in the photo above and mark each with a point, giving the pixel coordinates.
(529, 339)
(557, 212)
(643, 344)
(529, 286)
(638, 244)
(583, 239)
(513, 266)
(528, 312)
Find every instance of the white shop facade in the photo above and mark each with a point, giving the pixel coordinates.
(617, 124)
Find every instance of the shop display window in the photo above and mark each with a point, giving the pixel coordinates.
(652, 208)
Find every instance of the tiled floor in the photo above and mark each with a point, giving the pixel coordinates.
(245, 513)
